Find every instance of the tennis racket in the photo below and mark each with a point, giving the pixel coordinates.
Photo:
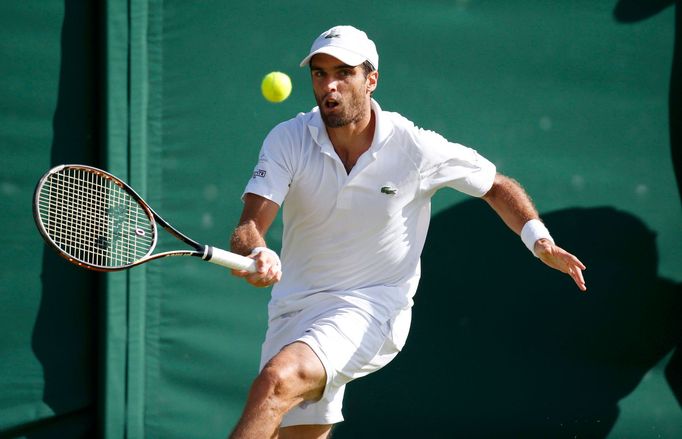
(98, 222)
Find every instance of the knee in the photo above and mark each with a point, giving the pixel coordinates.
(294, 375)
(279, 383)
(288, 382)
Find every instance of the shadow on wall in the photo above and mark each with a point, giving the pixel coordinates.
(503, 346)
(65, 336)
(631, 11)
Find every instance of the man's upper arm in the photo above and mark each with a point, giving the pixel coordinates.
(454, 165)
(490, 193)
(259, 210)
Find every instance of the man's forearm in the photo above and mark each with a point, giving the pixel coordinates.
(245, 238)
(511, 202)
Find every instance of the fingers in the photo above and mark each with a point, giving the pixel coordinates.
(577, 262)
(266, 274)
(575, 270)
(268, 271)
(561, 260)
(240, 273)
(577, 274)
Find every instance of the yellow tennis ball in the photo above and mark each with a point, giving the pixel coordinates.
(276, 86)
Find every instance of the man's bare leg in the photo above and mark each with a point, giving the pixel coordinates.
(305, 432)
(292, 376)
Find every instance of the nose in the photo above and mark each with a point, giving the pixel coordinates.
(331, 85)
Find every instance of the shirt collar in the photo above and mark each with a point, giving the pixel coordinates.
(382, 129)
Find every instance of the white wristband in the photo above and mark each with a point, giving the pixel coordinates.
(532, 231)
(258, 250)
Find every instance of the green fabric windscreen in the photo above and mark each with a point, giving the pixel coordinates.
(573, 99)
(48, 307)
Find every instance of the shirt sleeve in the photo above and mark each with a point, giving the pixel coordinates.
(272, 174)
(447, 164)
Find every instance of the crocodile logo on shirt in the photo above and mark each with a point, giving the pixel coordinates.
(389, 190)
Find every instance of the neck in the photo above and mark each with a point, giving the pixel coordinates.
(352, 140)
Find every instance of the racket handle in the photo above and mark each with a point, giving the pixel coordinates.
(229, 259)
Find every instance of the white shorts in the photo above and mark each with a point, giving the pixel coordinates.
(349, 342)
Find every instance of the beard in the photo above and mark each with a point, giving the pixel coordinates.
(349, 110)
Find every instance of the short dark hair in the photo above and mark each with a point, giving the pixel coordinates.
(367, 68)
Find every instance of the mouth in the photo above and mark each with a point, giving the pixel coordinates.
(331, 103)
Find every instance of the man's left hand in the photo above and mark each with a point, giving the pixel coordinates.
(559, 259)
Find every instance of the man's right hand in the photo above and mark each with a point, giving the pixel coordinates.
(268, 270)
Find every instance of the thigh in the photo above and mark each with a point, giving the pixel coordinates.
(345, 338)
(299, 371)
(350, 344)
(348, 340)
(305, 432)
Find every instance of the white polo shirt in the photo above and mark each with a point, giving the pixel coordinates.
(358, 236)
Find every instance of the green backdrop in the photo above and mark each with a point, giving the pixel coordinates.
(577, 100)
(48, 310)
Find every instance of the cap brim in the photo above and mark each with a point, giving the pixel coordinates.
(343, 55)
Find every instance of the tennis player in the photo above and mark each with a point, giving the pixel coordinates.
(355, 183)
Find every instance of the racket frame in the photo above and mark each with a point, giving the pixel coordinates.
(205, 252)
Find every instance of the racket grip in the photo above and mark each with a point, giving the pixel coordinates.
(229, 259)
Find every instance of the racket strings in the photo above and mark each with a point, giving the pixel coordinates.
(92, 219)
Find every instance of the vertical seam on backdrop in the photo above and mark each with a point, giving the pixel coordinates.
(139, 108)
(116, 145)
(155, 176)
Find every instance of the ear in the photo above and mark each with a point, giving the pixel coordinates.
(372, 81)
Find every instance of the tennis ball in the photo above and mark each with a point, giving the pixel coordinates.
(276, 86)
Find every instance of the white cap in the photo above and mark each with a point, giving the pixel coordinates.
(346, 43)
